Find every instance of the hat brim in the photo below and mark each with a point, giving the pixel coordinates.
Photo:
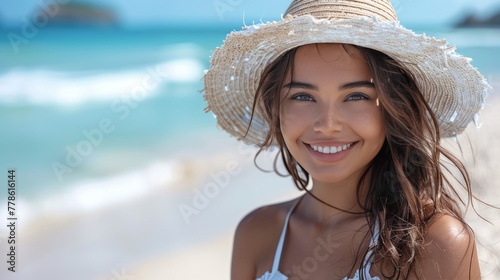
(453, 88)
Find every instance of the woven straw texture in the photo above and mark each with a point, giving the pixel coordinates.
(454, 89)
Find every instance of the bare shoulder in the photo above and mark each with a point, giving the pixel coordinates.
(256, 236)
(450, 250)
(448, 231)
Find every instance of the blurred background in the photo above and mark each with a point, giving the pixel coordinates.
(120, 172)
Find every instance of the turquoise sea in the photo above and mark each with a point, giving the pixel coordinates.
(66, 81)
(88, 115)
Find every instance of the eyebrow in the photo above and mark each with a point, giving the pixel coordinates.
(301, 85)
(357, 84)
(294, 84)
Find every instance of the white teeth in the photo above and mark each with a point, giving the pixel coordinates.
(331, 150)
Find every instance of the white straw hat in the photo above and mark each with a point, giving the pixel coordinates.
(454, 89)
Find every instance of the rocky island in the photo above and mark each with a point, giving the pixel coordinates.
(78, 15)
(474, 21)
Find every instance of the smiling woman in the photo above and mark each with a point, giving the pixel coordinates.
(357, 107)
(338, 123)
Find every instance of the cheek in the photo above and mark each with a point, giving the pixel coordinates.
(294, 122)
(288, 118)
(291, 118)
(288, 124)
(370, 125)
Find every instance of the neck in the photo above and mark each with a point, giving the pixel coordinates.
(342, 198)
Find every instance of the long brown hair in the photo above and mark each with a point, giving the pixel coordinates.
(407, 184)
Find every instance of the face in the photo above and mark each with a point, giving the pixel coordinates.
(330, 119)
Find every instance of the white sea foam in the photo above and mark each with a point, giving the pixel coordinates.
(94, 195)
(20, 86)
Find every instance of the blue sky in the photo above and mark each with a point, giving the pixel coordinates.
(181, 12)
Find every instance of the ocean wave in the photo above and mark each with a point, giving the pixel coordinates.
(93, 195)
(28, 86)
(176, 177)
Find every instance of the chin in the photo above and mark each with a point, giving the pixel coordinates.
(335, 176)
(330, 179)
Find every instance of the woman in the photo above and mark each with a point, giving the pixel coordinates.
(357, 106)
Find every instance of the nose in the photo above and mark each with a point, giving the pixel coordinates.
(328, 120)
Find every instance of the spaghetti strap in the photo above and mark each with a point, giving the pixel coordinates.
(367, 262)
(279, 248)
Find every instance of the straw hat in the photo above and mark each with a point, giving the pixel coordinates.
(454, 89)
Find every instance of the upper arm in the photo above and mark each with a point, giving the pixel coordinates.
(450, 251)
(255, 241)
(243, 262)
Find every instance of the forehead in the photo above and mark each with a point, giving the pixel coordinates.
(330, 61)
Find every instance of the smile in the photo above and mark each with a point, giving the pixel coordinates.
(331, 150)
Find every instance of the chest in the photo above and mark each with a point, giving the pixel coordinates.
(332, 256)
(318, 253)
